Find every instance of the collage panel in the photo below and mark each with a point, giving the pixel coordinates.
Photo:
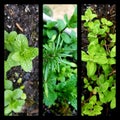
(59, 60)
(21, 62)
(98, 57)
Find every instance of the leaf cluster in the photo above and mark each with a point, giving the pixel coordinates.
(59, 61)
(100, 59)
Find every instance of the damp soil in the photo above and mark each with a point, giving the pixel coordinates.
(107, 11)
(24, 18)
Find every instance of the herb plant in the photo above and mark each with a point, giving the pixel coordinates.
(100, 59)
(59, 62)
(20, 55)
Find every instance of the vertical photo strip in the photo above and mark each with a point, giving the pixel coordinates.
(21, 62)
(59, 60)
(98, 59)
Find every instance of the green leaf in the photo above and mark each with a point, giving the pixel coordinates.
(66, 19)
(60, 25)
(66, 38)
(104, 86)
(106, 22)
(17, 105)
(8, 84)
(17, 93)
(111, 61)
(7, 110)
(50, 24)
(113, 37)
(21, 43)
(9, 40)
(85, 57)
(50, 33)
(73, 19)
(88, 15)
(91, 68)
(47, 10)
(100, 59)
(113, 52)
(26, 65)
(7, 97)
(113, 103)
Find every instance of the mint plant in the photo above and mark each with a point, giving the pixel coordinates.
(20, 55)
(59, 62)
(100, 59)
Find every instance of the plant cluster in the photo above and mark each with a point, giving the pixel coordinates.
(100, 59)
(59, 62)
(20, 55)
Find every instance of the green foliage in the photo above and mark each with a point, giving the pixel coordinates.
(100, 65)
(20, 54)
(59, 62)
(13, 101)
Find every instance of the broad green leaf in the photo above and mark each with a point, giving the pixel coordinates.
(106, 68)
(50, 24)
(113, 37)
(17, 93)
(111, 61)
(92, 37)
(106, 22)
(7, 110)
(7, 97)
(100, 59)
(91, 68)
(113, 52)
(21, 43)
(50, 33)
(60, 25)
(50, 100)
(88, 15)
(8, 84)
(26, 65)
(85, 57)
(9, 40)
(17, 105)
(104, 86)
(66, 38)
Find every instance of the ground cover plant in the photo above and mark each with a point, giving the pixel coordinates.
(20, 55)
(99, 59)
(60, 66)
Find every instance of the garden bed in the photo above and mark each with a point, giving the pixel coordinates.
(24, 19)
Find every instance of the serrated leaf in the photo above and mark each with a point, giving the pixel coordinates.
(17, 105)
(17, 93)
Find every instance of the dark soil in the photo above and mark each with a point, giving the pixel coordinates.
(24, 19)
(107, 11)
